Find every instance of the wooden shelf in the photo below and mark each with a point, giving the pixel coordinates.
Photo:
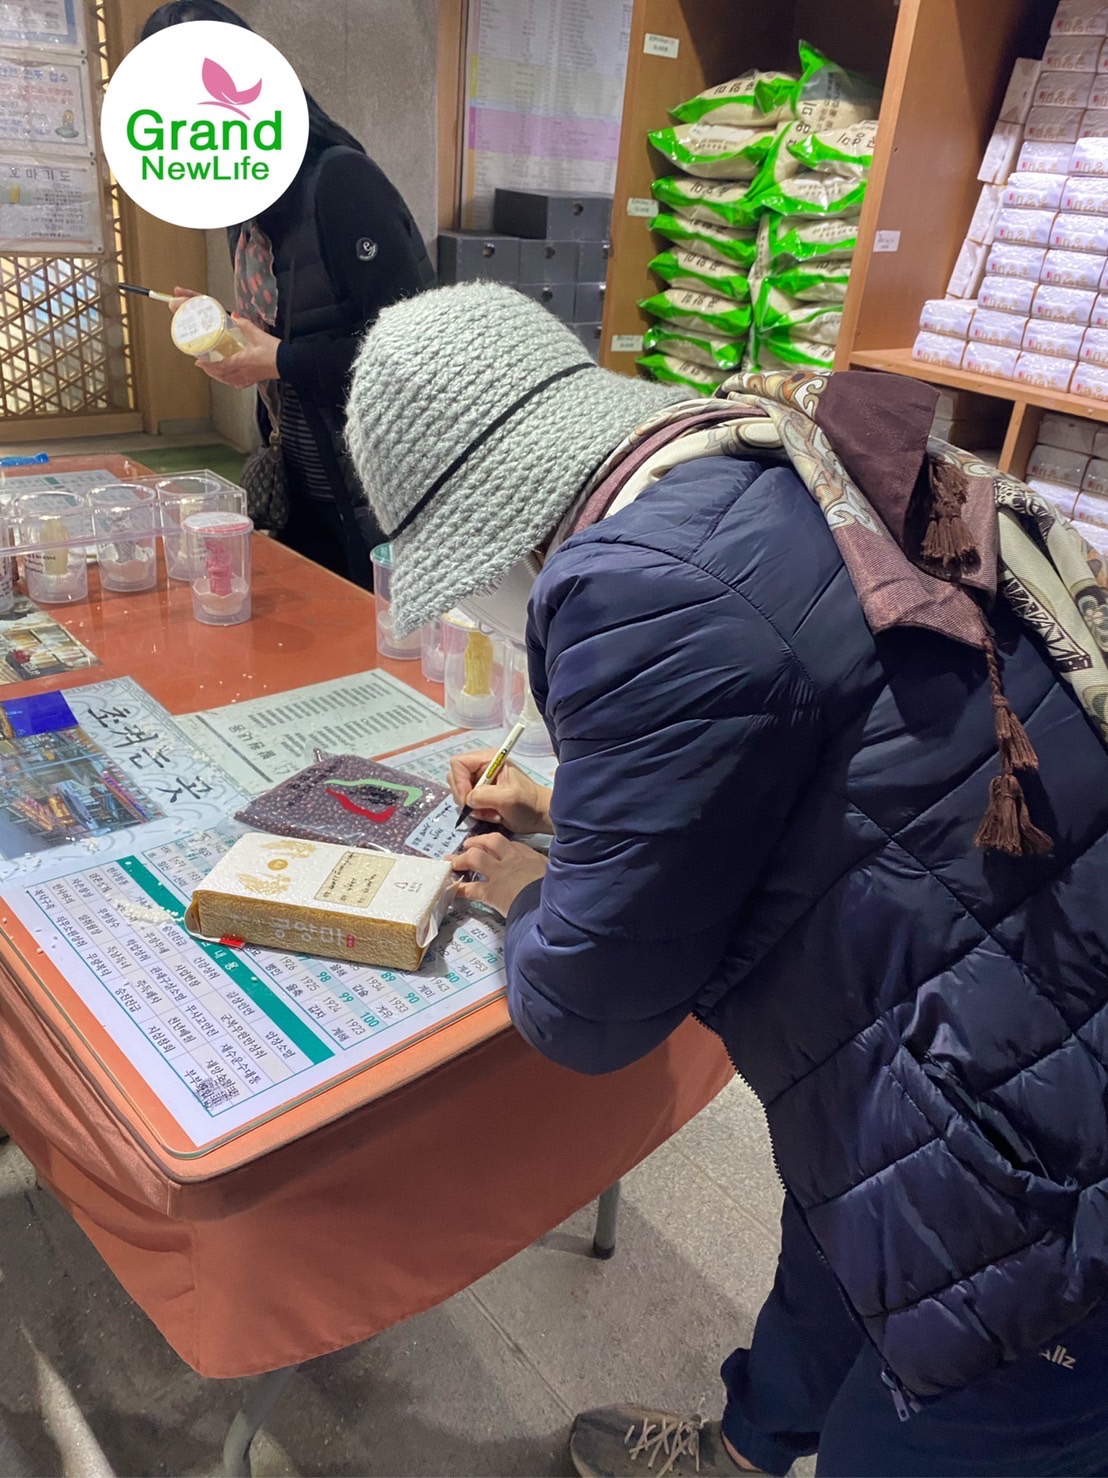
(900, 362)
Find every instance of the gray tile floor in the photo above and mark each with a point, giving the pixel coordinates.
(485, 1384)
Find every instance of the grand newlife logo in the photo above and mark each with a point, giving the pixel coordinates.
(204, 124)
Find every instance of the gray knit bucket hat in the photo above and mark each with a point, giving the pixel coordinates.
(474, 419)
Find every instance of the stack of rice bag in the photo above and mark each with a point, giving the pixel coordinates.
(759, 224)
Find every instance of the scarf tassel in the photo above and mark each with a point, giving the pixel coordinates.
(948, 542)
(1006, 825)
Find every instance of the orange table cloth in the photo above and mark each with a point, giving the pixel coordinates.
(387, 1193)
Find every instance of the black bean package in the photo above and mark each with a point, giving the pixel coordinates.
(360, 803)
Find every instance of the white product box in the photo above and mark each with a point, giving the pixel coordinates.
(990, 359)
(1062, 497)
(1063, 340)
(1056, 464)
(1007, 295)
(1064, 89)
(1080, 18)
(1085, 195)
(969, 270)
(1044, 371)
(1064, 305)
(982, 225)
(1095, 481)
(1000, 153)
(1072, 54)
(1090, 157)
(1098, 93)
(1072, 433)
(1090, 382)
(1094, 124)
(1102, 64)
(1072, 269)
(1074, 232)
(1036, 157)
(1021, 86)
(1099, 316)
(1025, 227)
(938, 349)
(1031, 192)
(1054, 125)
(1005, 260)
(1100, 442)
(997, 328)
(947, 316)
(1094, 347)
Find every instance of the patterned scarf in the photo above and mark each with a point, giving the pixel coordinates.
(256, 298)
(928, 534)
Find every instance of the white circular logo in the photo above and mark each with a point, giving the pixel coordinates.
(204, 124)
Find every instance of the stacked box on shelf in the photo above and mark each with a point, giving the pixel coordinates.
(1032, 277)
(739, 148)
(1069, 466)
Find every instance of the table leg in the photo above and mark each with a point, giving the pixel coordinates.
(607, 1213)
(259, 1404)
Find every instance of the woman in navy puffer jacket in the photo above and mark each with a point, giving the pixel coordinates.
(765, 814)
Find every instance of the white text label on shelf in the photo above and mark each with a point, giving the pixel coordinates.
(641, 205)
(626, 343)
(654, 45)
(886, 241)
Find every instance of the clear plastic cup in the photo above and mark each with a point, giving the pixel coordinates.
(124, 525)
(519, 706)
(7, 566)
(473, 674)
(181, 496)
(432, 655)
(400, 648)
(59, 521)
(218, 546)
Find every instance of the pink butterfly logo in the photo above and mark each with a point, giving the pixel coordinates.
(222, 90)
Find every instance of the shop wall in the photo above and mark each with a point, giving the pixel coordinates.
(371, 64)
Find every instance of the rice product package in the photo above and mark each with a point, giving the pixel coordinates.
(1044, 371)
(1071, 433)
(780, 352)
(1099, 318)
(1094, 347)
(779, 316)
(1007, 295)
(748, 101)
(702, 310)
(1080, 18)
(1064, 304)
(1096, 478)
(1037, 157)
(813, 283)
(1005, 329)
(1063, 340)
(828, 96)
(1094, 124)
(1072, 54)
(1033, 192)
(1000, 154)
(1054, 125)
(1025, 227)
(1089, 157)
(938, 349)
(1006, 260)
(683, 268)
(1090, 382)
(842, 151)
(695, 377)
(1057, 464)
(1080, 233)
(722, 243)
(947, 316)
(714, 151)
(811, 194)
(1072, 269)
(711, 350)
(357, 802)
(780, 162)
(1098, 93)
(719, 201)
(1064, 90)
(1062, 497)
(1085, 195)
(798, 239)
(969, 270)
(990, 359)
(983, 221)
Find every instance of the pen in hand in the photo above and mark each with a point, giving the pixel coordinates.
(494, 766)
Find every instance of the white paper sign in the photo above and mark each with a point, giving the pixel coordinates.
(654, 45)
(45, 103)
(50, 206)
(55, 23)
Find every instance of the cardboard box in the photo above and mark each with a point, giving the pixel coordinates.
(552, 215)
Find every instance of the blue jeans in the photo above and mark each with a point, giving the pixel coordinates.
(811, 1382)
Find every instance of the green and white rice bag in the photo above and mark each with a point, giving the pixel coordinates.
(747, 101)
(720, 201)
(711, 350)
(778, 315)
(682, 268)
(714, 151)
(812, 194)
(842, 151)
(829, 97)
(800, 239)
(811, 282)
(716, 241)
(780, 163)
(708, 312)
(695, 377)
(776, 352)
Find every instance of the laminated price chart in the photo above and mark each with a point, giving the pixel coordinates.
(226, 1037)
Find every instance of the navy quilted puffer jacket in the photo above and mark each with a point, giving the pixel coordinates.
(765, 815)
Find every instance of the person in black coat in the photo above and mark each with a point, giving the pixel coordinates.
(312, 272)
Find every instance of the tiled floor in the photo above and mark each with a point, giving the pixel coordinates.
(485, 1384)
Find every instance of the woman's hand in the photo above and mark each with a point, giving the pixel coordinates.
(513, 799)
(255, 362)
(179, 296)
(506, 868)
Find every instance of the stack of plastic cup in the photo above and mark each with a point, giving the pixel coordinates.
(399, 648)
(218, 548)
(181, 496)
(473, 674)
(59, 521)
(519, 706)
(124, 525)
(432, 655)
